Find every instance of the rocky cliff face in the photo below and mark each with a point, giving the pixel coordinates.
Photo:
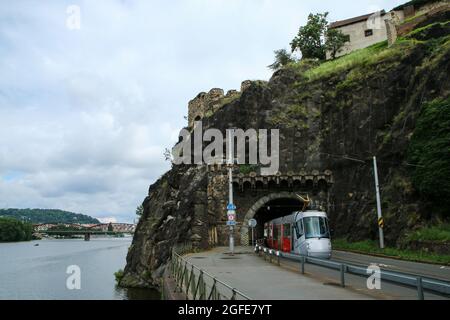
(359, 106)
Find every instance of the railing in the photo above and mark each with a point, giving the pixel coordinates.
(197, 284)
(420, 283)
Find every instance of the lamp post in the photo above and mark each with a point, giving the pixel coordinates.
(230, 184)
(380, 216)
(377, 190)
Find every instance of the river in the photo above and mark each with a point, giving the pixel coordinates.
(38, 270)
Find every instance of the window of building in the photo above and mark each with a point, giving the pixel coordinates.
(368, 32)
(347, 38)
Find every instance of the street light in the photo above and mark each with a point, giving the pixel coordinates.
(377, 190)
(380, 216)
(231, 208)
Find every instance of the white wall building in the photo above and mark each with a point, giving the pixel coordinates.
(366, 30)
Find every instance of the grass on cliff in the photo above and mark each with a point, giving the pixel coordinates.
(366, 57)
(372, 247)
(363, 58)
(430, 151)
(434, 233)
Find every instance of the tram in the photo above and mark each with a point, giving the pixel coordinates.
(305, 233)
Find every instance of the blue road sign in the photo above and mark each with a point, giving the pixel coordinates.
(231, 223)
(231, 207)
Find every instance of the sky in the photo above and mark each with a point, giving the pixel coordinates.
(92, 92)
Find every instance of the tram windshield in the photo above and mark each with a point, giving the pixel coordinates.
(316, 227)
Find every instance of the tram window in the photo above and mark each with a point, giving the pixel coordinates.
(316, 227)
(287, 230)
(275, 232)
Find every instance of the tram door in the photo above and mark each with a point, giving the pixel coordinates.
(299, 237)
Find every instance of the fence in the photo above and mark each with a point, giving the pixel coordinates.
(197, 284)
(414, 281)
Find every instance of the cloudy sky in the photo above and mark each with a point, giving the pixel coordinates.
(85, 114)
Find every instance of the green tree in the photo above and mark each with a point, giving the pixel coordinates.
(282, 58)
(335, 41)
(47, 216)
(310, 39)
(14, 230)
(140, 210)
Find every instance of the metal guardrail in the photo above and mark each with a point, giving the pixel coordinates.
(414, 281)
(190, 280)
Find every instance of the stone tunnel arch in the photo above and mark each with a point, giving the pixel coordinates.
(245, 230)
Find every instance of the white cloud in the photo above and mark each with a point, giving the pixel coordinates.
(85, 115)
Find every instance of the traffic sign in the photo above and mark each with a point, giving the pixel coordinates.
(381, 223)
(252, 223)
(231, 207)
(231, 223)
(231, 217)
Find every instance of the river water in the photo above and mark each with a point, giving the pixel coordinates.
(38, 270)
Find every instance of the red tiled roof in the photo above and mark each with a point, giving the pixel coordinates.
(347, 22)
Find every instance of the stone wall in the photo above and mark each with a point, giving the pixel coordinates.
(252, 191)
(206, 104)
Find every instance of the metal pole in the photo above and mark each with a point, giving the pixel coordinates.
(380, 216)
(230, 183)
(420, 289)
(253, 241)
(342, 275)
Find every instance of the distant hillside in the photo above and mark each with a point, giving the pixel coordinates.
(47, 216)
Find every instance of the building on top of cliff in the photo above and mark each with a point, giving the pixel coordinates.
(366, 30)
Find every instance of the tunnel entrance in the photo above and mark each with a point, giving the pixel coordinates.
(266, 209)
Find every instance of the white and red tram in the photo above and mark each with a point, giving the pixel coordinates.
(305, 233)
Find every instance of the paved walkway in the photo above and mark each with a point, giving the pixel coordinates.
(261, 280)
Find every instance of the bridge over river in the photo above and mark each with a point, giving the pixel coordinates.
(86, 233)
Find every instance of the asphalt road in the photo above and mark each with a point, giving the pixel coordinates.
(263, 280)
(415, 268)
(388, 291)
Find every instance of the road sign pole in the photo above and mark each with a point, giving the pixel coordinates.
(253, 241)
(380, 216)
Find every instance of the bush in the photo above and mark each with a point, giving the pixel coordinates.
(118, 275)
(430, 151)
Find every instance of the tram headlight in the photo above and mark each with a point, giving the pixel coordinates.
(308, 245)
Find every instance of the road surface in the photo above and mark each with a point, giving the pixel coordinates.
(427, 270)
(261, 280)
